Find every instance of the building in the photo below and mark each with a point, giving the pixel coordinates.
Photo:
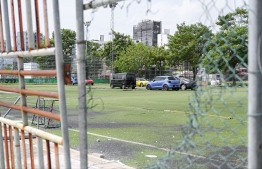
(30, 66)
(7, 63)
(147, 31)
(19, 43)
(162, 39)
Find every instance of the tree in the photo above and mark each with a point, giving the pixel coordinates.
(228, 48)
(68, 46)
(136, 58)
(93, 49)
(187, 44)
(93, 57)
(159, 57)
(120, 43)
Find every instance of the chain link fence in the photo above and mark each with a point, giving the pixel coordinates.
(216, 135)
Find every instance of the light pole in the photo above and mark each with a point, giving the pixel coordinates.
(87, 24)
(112, 6)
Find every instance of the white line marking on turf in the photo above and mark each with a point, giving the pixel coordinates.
(147, 145)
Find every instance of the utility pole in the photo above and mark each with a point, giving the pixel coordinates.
(112, 6)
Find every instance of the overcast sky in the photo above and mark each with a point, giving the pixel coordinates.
(130, 12)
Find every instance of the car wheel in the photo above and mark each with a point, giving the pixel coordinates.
(165, 87)
(141, 85)
(183, 87)
(148, 87)
(111, 86)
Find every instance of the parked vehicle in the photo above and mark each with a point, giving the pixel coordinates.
(123, 80)
(73, 80)
(164, 83)
(187, 84)
(141, 82)
(89, 81)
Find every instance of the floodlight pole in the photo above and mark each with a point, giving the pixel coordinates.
(112, 6)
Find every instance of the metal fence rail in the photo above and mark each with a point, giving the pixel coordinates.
(11, 145)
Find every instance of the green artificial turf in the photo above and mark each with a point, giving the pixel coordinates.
(159, 118)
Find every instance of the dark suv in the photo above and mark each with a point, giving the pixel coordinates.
(123, 80)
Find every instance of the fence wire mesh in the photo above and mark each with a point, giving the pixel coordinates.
(216, 135)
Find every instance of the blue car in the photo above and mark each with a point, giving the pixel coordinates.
(164, 83)
(74, 80)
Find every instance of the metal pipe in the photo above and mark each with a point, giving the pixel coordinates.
(20, 66)
(60, 83)
(30, 92)
(29, 72)
(40, 152)
(35, 131)
(11, 141)
(6, 147)
(31, 151)
(32, 53)
(23, 148)
(47, 42)
(56, 150)
(81, 75)
(254, 84)
(38, 41)
(9, 72)
(31, 44)
(7, 26)
(2, 42)
(6, 113)
(49, 166)
(18, 161)
(38, 72)
(2, 157)
(99, 3)
(32, 111)
(13, 25)
(22, 40)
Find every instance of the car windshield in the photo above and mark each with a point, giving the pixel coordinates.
(142, 79)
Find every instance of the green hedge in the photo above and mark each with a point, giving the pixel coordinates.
(46, 80)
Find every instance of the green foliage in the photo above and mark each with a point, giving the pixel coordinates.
(120, 43)
(187, 43)
(136, 58)
(93, 49)
(68, 45)
(159, 57)
(228, 48)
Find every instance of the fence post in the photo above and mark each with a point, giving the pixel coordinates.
(254, 85)
(60, 83)
(81, 75)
